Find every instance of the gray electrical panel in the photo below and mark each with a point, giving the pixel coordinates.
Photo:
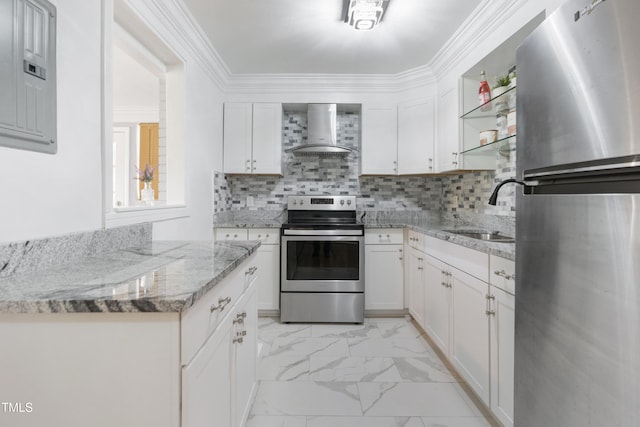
(28, 75)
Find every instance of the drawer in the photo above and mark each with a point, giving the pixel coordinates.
(231, 234)
(200, 320)
(383, 236)
(469, 260)
(502, 274)
(268, 236)
(416, 240)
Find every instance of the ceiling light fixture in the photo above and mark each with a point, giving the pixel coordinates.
(364, 14)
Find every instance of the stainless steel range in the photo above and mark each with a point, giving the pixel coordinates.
(322, 261)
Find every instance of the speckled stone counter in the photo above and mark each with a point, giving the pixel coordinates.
(436, 225)
(430, 223)
(250, 219)
(152, 277)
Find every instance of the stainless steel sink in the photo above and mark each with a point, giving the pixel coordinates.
(487, 236)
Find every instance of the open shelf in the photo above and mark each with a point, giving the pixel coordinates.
(490, 108)
(498, 145)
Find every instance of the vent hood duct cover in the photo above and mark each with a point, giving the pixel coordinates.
(321, 138)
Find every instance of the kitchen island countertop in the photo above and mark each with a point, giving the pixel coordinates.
(154, 277)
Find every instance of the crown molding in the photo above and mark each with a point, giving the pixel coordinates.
(330, 83)
(483, 21)
(172, 21)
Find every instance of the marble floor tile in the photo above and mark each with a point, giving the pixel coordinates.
(364, 422)
(423, 369)
(412, 399)
(309, 346)
(395, 328)
(379, 374)
(388, 347)
(283, 368)
(276, 421)
(455, 422)
(306, 398)
(366, 330)
(353, 369)
(270, 328)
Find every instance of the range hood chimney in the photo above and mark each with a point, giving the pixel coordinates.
(321, 139)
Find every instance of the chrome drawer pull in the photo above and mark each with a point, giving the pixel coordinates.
(222, 303)
(238, 340)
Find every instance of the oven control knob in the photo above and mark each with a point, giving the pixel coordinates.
(348, 202)
(295, 202)
(342, 202)
(302, 201)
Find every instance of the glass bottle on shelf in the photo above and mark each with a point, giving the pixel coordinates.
(484, 93)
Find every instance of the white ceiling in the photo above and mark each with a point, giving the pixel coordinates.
(309, 36)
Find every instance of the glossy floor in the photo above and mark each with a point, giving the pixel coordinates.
(378, 374)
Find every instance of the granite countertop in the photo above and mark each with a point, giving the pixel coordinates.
(432, 224)
(155, 277)
(436, 226)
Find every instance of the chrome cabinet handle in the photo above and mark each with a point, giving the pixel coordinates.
(250, 271)
(222, 303)
(240, 318)
(504, 274)
(490, 313)
(238, 340)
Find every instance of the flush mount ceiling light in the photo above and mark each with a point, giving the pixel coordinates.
(364, 14)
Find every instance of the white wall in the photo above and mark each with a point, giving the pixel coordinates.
(41, 194)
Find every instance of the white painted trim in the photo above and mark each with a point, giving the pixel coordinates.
(185, 33)
(485, 19)
(138, 214)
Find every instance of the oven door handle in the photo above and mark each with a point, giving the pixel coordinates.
(293, 232)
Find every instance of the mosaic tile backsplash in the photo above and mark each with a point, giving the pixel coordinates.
(468, 192)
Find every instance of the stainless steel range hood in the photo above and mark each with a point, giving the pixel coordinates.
(321, 139)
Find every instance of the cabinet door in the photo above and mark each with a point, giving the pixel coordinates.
(416, 285)
(448, 143)
(470, 331)
(384, 288)
(379, 154)
(206, 382)
(231, 234)
(245, 350)
(268, 263)
(237, 137)
(437, 302)
(502, 354)
(415, 137)
(267, 139)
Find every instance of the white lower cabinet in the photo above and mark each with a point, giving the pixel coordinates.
(468, 310)
(501, 292)
(437, 303)
(416, 278)
(219, 382)
(206, 382)
(384, 272)
(268, 261)
(502, 354)
(470, 331)
(244, 360)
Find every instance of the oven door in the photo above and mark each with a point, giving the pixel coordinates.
(322, 263)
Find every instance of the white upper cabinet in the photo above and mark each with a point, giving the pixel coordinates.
(267, 138)
(379, 145)
(447, 145)
(253, 138)
(416, 137)
(398, 139)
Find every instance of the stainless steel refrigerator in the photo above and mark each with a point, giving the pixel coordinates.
(577, 356)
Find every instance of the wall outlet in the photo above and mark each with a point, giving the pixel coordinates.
(250, 201)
